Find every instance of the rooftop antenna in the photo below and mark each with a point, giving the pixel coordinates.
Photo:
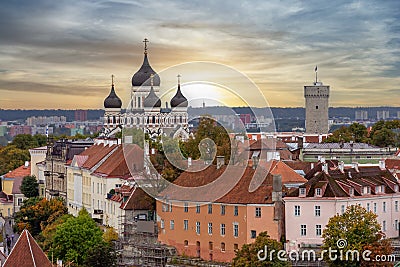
(316, 74)
(112, 79)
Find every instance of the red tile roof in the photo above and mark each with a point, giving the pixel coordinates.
(95, 154)
(21, 171)
(392, 164)
(27, 253)
(138, 200)
(116, 165)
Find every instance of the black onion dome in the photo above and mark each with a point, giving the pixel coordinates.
(112, 100)
(142, 76)
(179, 100)
(152, 100)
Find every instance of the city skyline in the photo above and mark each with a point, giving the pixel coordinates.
(62, 54)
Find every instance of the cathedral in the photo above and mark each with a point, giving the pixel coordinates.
(144, 110)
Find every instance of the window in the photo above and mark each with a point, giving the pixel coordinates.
(236, 211)
(171, 224)
(185, 207)
(222, 246)
(209, 208)
(223, 209)
(303, 230)
(258, 212)
(210, 245)
(296, 210)
(318, 192)
(384, 206)
(342, 209)
(198, 228)
(396, 224)
(197, 208)
(368, 207)
(316, 107)
(317, 211)
(302, 191)
(253, 234)
(222, 229)
(210, 228)
(235, 229)
(162, 224)
(235, 247)
(318, 230)
(375, 208)
(19, 201)
(185, 243)
(396, 206)
(185, 225)
(170, 207)
(384, 226)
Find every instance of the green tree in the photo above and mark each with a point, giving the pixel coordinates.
(12, 157)
(46, 237)
(248, 255)
(74, 238)
(355, 132)
(208, 133)
(384, 137)
(358, 229)
(25, 141)
(30, 186)
(110, 235)
(101, 255)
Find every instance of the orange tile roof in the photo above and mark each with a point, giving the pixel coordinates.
(21, 171)
(27, 253)
(244, 179)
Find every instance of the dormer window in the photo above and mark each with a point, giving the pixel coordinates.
(377, 189)
(318, 192)
(302, 192)
(351, 191)
(366, 190)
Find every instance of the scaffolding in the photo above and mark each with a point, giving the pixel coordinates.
(138, 245)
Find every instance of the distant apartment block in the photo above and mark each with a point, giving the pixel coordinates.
(382, 114)
(80, 115)
(42, 130)
(42, 120)
(3, 130)
(398, 114)
(20, 129)
(361, 115)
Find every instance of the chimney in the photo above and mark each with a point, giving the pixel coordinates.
(189, 162)
(382, 164)
(355, 166)
(300, 142)
(341, 166)
(325, 168)
(220, 161)
(312, 165)
(323, 159)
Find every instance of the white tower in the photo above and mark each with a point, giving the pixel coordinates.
(317, 106)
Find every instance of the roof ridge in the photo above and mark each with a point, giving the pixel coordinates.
(30, 247)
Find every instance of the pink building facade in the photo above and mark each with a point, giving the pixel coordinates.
(330, 192)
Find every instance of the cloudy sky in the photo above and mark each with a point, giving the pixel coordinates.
(61, 54)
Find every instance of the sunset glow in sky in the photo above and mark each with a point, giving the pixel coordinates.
(61, 54)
